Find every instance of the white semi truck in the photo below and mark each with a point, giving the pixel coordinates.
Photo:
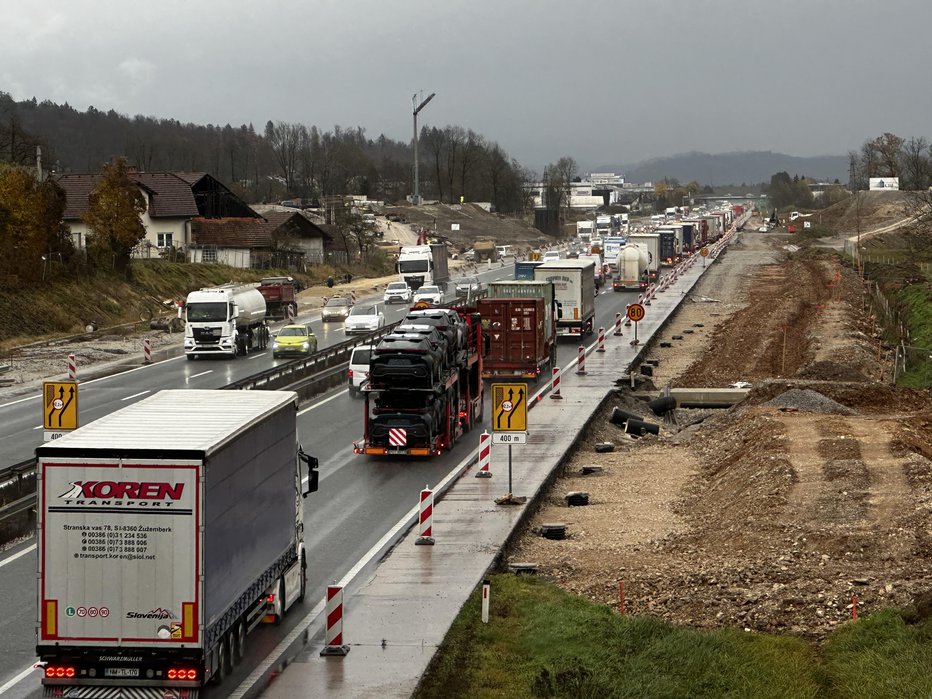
(574, 290)
(166, 532)
(424, 265)
(651, 244)
(225, 320)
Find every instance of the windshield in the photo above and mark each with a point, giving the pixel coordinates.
(428, 290)
(364, 311)
(337, 302)
(293, 332)
(210, 312)
(397, 286)
(421, 265)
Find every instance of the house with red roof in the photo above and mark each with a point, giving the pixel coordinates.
(193, 215)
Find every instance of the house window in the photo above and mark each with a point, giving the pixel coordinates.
(210, 253)
(165, 240)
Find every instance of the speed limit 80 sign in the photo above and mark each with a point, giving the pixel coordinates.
(635, 312)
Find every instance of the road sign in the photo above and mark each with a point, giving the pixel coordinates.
(509, 407)
(704, 252)
(509, 438)
(60, 405)
(636, 312)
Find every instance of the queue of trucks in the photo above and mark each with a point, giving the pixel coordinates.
(158, 555)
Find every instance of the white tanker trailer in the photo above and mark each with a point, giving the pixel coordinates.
(225, 320)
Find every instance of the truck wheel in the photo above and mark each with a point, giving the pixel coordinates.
(239, 640)
(191, 357)
(227, 646)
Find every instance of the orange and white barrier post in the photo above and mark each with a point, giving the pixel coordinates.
(581, 360)
(601, 340)
(72, 367)
(555, 384)
(617, 332)
(334, 632)
(147, 351)
(627, 319)
(426, 518)
(485, 455)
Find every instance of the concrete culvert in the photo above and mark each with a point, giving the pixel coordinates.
(647, 370)
(662, 405)
(666, 344)
(639, 427)
(620, 417)
(577, 498)
(603, 447)
(652, 362)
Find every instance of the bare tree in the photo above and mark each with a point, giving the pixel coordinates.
(915, 164)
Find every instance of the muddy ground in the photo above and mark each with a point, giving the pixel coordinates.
(782, 513)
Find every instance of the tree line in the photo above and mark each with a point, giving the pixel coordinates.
(287, 160)
(890, 155)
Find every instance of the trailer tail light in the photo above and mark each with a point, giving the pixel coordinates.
(59, 671)
(349, 373)
(271, 598)
(182, 673)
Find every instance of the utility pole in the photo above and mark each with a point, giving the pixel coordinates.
(418, 108)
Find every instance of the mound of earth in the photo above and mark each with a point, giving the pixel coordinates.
(756, 517)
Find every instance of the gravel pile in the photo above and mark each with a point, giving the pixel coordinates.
(809, 401)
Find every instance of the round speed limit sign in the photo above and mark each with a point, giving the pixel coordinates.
(704, 252)
(635, 312)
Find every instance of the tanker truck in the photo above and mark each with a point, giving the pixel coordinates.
(631, 269)
(225, 320)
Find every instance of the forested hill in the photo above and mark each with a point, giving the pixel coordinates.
(734, 168)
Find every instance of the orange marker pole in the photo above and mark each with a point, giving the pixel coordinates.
(854, 607)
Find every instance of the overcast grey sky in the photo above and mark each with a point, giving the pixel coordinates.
(606, 82)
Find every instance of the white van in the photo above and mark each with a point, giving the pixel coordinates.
(358, 367)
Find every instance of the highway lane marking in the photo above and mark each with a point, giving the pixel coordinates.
(101, 378)
(12, 558)
(257, 356)
(325, 400)
(136, 395)
(16, 680)
(194, 376)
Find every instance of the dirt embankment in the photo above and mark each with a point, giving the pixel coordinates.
(778, 515)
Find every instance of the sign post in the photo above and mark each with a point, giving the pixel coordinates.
(509, 420)
(59, 408)
(705, 253)
(636, 314)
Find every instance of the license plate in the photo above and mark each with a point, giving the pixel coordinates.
(121, 672)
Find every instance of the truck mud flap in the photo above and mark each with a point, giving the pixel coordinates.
(50, 691)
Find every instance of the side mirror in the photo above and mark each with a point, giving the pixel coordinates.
(313, 475)
(235, 313)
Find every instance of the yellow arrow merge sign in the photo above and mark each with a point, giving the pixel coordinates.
(509, 407)
(60, 405)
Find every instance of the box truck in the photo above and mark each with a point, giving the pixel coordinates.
(574, 289)
(166, 532)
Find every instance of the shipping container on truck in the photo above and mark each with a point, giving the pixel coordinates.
(422, 397)
(574, 289)
(518, 329)
(166, 532)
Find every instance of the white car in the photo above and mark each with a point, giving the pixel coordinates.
(364, 318)
(397, 292)
(358, 367)
(551, 256)
(430, 294)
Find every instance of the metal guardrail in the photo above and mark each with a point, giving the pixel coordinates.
(23, 468)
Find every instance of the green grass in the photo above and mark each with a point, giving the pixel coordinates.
(544, 642)
(917, 298)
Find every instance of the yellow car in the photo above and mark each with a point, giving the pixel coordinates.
(294, 339)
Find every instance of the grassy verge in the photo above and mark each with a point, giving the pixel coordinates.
(64, 304)
(544, 642)
(917, 298)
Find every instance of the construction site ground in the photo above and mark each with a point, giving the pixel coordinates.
(781, 513)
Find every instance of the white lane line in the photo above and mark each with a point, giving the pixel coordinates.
(325, 400)
(194, 376)
(39, 427)
(102, 378)
(404, 523)
(16, 680)
(136, 395)
(257, 356)
(15, 556)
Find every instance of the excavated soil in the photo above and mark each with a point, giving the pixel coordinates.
(780, 514)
